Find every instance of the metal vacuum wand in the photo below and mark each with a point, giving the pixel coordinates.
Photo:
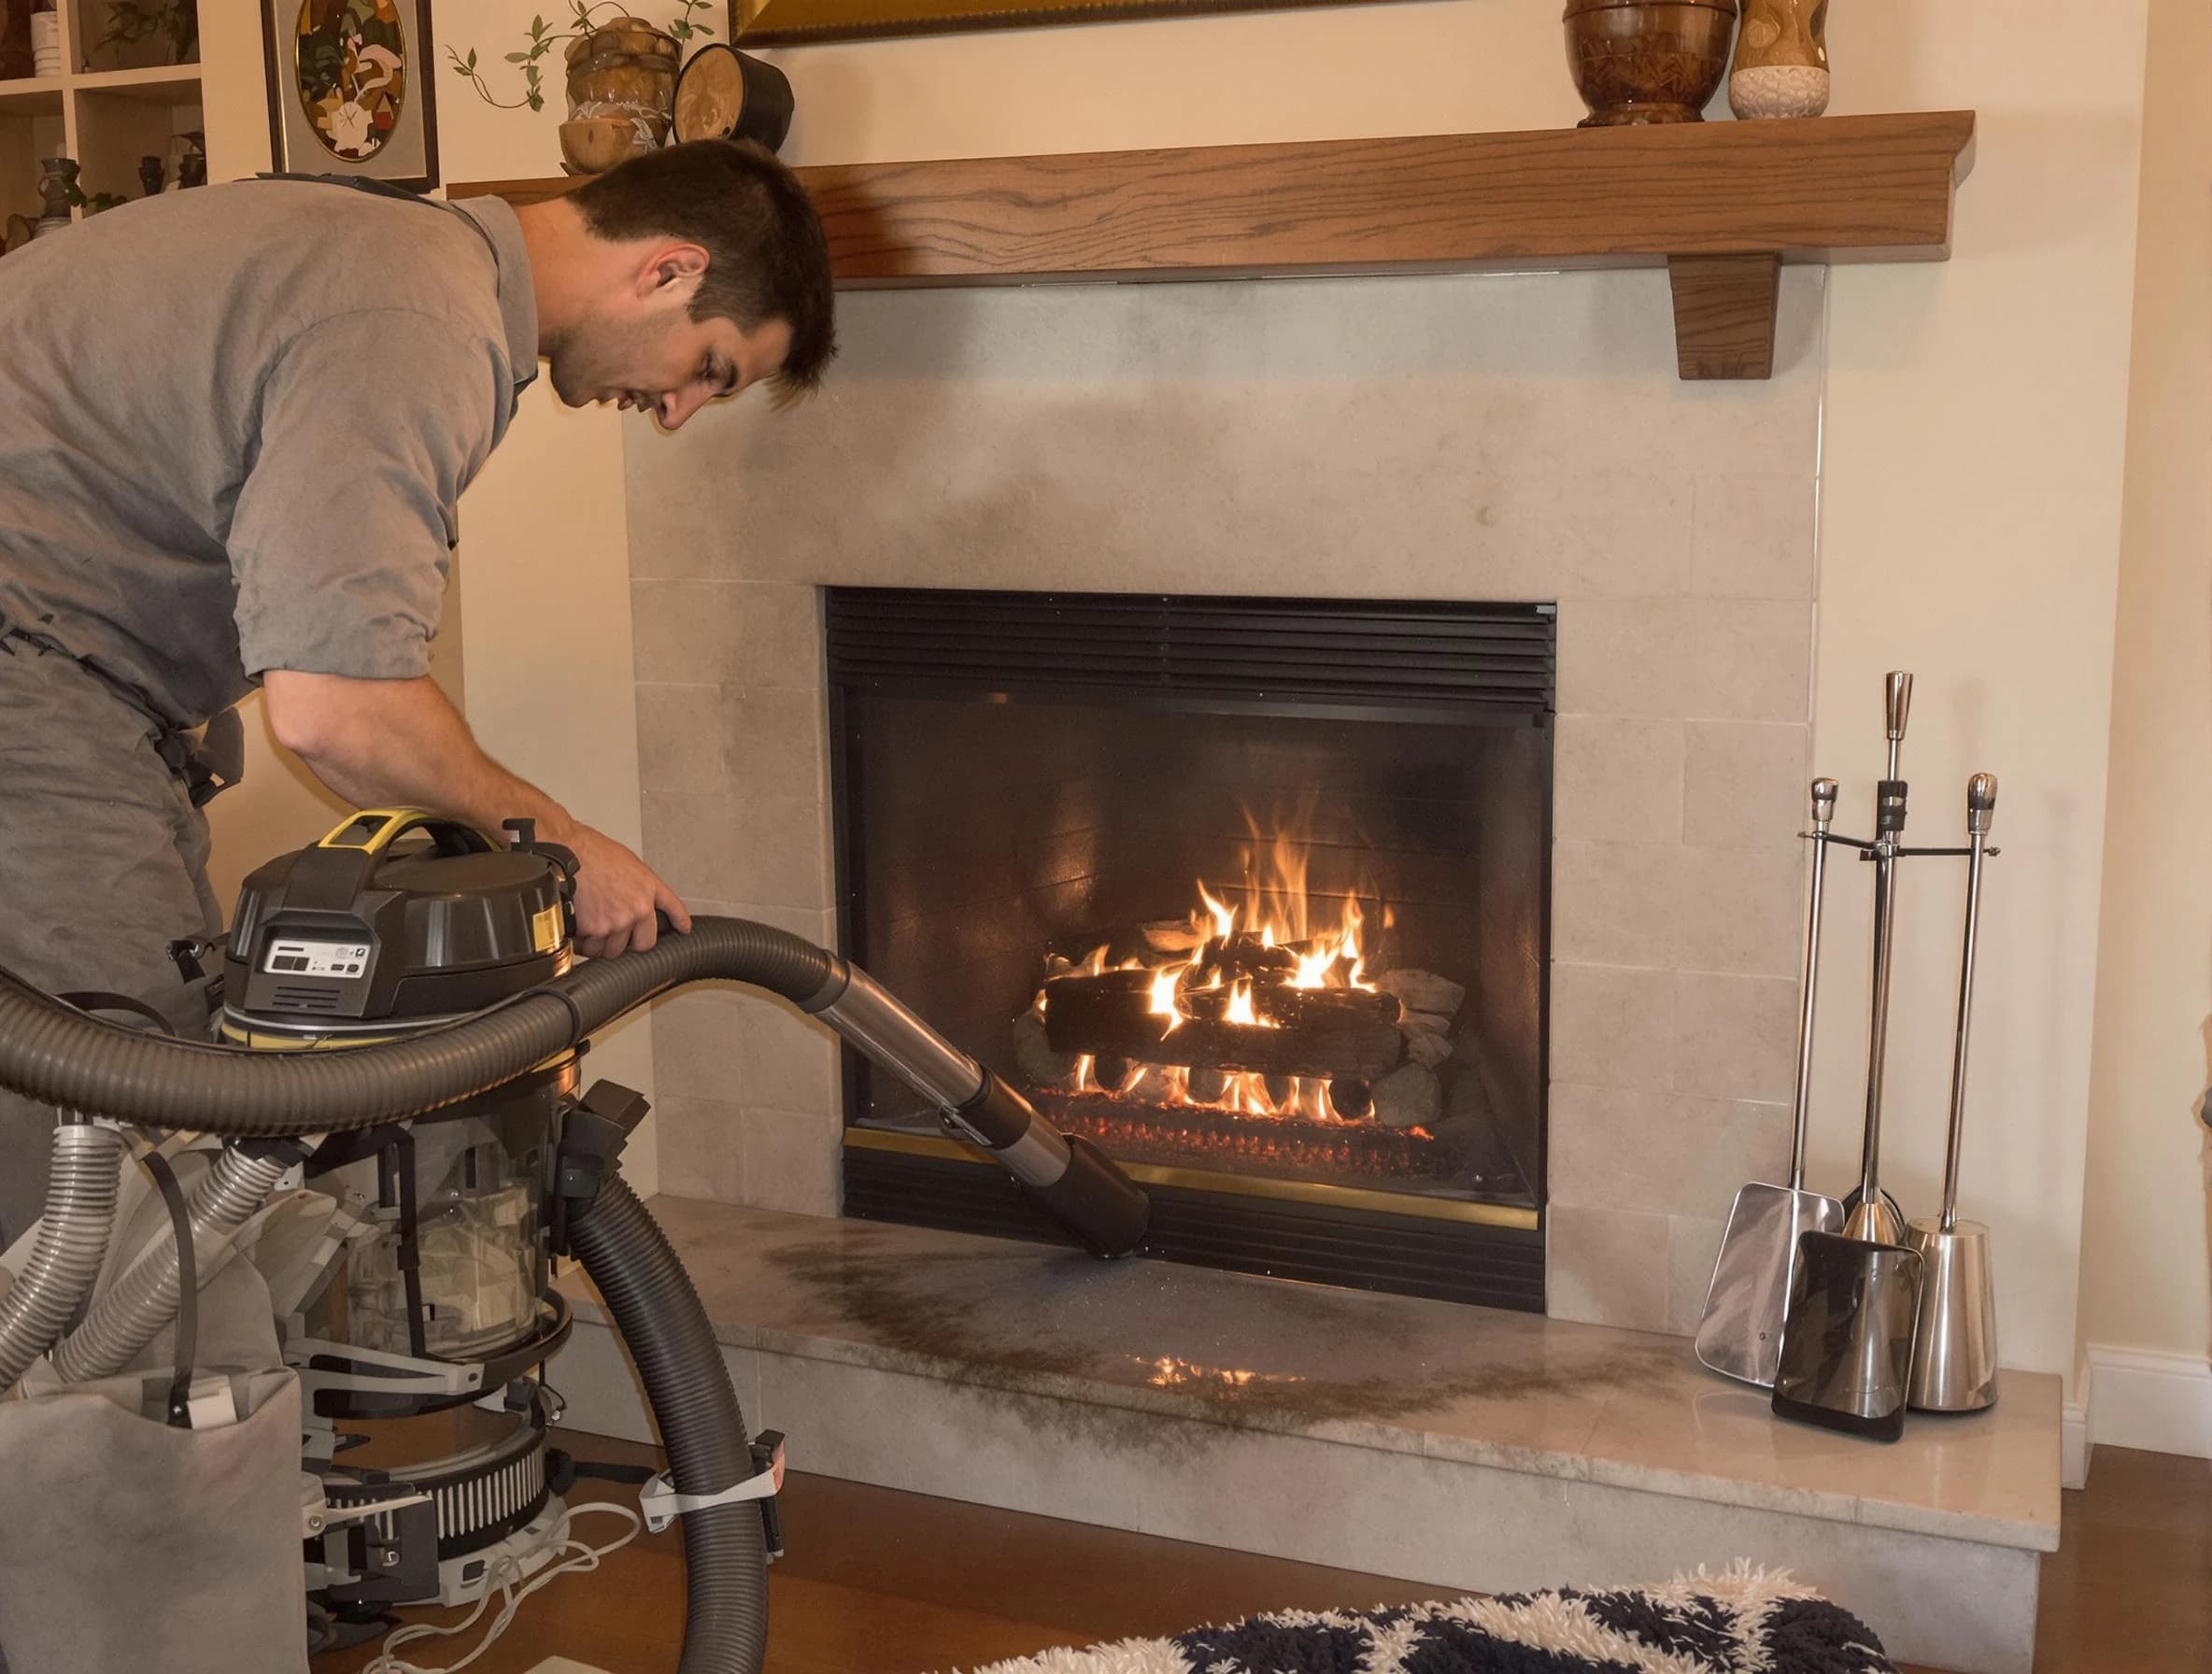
(1873, 1218)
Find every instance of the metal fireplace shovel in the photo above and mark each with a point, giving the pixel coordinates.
(1742, 1335)
(1847, 1336)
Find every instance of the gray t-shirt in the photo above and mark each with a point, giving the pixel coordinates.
(234, 422)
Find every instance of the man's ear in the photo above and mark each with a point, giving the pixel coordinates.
(670, 264)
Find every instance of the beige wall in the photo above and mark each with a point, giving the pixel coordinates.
(2144, 1224)
(1974, 436)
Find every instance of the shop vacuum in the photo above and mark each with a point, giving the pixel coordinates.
(305, 1361)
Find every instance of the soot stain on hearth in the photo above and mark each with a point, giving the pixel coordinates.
(903, 1302)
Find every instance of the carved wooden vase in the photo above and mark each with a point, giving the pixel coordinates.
(1781, 59)
(1648, 61)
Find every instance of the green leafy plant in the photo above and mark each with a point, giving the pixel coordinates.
(542, 39)
(130, 22)
(95, 204)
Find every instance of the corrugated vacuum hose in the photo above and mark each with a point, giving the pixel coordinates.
(665, 1328)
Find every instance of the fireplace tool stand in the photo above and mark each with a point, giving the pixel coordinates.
(1848, 1358)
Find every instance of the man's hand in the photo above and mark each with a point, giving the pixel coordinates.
(616, 894)
(382, 744)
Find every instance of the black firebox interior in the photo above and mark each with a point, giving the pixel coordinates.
(1023, 780)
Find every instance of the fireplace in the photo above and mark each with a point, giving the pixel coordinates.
(1253, 892)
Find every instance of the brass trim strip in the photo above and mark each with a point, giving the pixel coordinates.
(1246, 1185)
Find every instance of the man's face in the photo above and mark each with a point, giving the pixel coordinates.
(640, 348)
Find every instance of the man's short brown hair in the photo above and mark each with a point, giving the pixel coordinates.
(767, 256)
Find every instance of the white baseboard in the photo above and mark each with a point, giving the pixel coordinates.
(2144, 1398)
(2074, 1446)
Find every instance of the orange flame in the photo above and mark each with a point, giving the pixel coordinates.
(1239, 944)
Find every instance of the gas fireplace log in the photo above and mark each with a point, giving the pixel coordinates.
(1324, 1032)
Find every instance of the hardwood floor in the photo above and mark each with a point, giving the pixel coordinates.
(882, 1582)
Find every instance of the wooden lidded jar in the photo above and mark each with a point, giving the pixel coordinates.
(1648, 61)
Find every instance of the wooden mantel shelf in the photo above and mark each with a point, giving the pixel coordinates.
(1722, 204)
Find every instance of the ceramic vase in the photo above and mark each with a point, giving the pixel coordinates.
(54, 186)
(1781, 59)
(45, 43)
(621, 88)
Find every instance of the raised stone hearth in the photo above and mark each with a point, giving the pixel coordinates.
(1456, 1446)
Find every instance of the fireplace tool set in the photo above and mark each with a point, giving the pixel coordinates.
(1848, 1312)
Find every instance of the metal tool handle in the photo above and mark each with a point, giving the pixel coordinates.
(1877, 1037)
(1897, 706)
(1824, 814)
(1981, 805)
(1889, 827)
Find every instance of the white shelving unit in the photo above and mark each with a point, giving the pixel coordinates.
(108, 119)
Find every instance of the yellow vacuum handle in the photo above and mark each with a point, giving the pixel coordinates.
(375, 829)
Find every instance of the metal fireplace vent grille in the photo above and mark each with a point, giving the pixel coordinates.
(1416, 653)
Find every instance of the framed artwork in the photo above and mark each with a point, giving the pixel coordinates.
(769, 23)
(350, 89)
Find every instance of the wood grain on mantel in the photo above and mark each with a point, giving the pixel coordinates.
(1721, 203)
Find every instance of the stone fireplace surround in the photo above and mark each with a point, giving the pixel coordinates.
(1466, 438)
(1428, 437)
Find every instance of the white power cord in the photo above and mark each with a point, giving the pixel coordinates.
(571, 1557)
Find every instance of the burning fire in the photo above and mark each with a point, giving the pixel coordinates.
(1266, 942)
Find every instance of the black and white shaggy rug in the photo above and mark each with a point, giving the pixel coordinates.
(1746, 1622)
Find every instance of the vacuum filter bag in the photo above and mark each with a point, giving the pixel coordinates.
(126, 1542)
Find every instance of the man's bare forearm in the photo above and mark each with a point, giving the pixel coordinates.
(401, 743)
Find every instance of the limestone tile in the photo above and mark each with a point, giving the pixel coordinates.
(1738, 912)
(1627, 657)
(1599, 1147)
(699, 1044)
(1659, 1152)
(1616, 903)
(1734, 1037)
(1612, 1025)
(1753, 536)
(1617, 779)
(772, 742)
(1693, 1246)
(1746, 660)
(791, 1059)
(689, 841)
(688, 631)
(1605, 1266)
(777, 851)
(1539, 533)
(1746, 786)
(1989, 1476)
(783, 636)
(702, 1149)
(792, 1162)
(679, 745)
(693, 630)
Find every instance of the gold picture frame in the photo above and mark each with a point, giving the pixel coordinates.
(779, 23)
